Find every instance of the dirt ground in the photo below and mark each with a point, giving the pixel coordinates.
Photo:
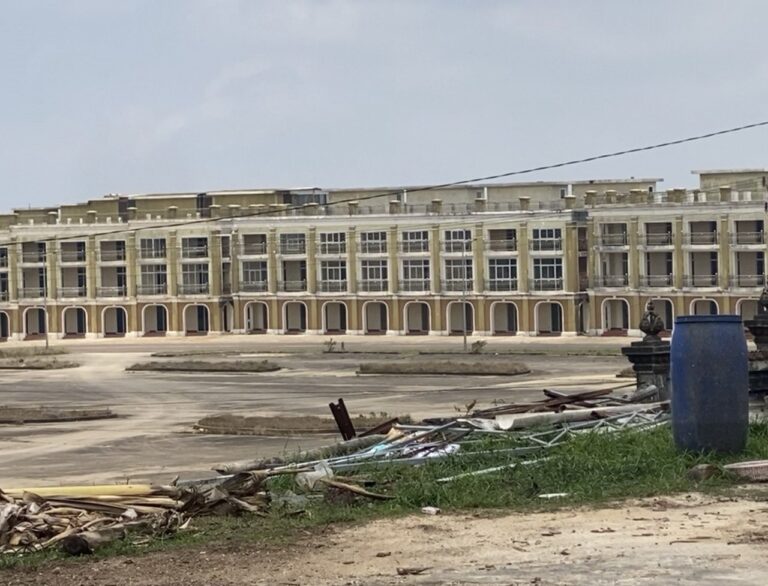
(688, 539)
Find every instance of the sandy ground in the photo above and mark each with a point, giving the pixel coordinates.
(688, 539)
(151, 439)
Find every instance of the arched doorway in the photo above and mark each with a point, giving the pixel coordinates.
(294, 317)
(747, 308)
(461, 317)
(114, 321)
(5, 327)
(375, 317)
(549, 318)
(154, 320)
(704, 307)
(196, 319)
(334, 317)
(665, 309)
(418, 318)
(256, 317)
(582, 317)
(615, 316)
(227, 316)
(35, 322)
(74, 322)
(504, 318)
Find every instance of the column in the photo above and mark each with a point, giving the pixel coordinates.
(434, 258)
(311, 263)
(678, 258)
(724, 254)
(352, 260)
(571, 260)
(273, 274)
(634, 255)
(13, 271)
(523, 259)
(394, 268)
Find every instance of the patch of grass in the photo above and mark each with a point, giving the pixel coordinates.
(477, 367)
(200, 366)
(35, 363)
(31, 351)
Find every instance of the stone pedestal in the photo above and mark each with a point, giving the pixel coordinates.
(650, 361)
(758, 360)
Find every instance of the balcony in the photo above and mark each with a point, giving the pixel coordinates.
(332, 248)
(547, 244)
(458, 285)
(700, 238)
(613, 280)
(700, 280)
(112, 255)
(548, 284)
(293, 247)
(154, 289)
(747, 281)
(194, 289)
(152, 253)
(617, 239)
(3, 296)
(254, 286)
(501, 245)
(72, 256)
(292, 286)
(115, 291)
(457, 246)
(498, 285)
(332, 286)
(71, 292)
(656, 280)
(255, 249)
(415, 285)
(32, 292)
(747, 238)
(194, 252)
(33, 257)
(373, 247)
(660, 239)
(373, 286)
(3, 262)
(414, 246)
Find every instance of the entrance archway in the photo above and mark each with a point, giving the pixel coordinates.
(615, 316)
(114, 321)
(256, 317)
(549, 318)
(74, 322)
(5, 327)
(418, 318)
(294, 317)
(704, 307)
(665, 309)
(747, 308)
(154, 320)
(334, 317)
(504, 321)
(461, 317)
(35, 322)
(227, 316)
(196, 319)
(375, 317)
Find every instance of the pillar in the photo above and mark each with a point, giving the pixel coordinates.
(523, 258)
(352, 260)
(724, 254)
(634, 253)
(312, 262)
(393, 271)
(678, 258)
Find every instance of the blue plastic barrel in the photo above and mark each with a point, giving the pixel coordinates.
(710, 383)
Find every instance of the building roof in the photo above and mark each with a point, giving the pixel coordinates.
(727, 171)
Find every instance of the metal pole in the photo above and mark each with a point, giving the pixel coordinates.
(464, 287)
(45, 297)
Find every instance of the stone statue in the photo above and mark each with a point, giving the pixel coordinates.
(652, 325)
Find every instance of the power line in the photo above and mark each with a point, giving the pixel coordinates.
(433, 187)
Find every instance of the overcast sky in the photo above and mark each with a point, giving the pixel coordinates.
(140, 96)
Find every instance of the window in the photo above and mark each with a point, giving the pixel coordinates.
(152, 248)
(547, 239)
(3, 258)
(194, 247)
(458, 269)
(374, 270)
(333, 243)
(3, 286)
(417, 241)
(502, 269)
(154, 280)
(226, 247)
(194, 278)
(458, 240)
(415, 269)
(255, 272)
(292, 243)
(254, 244)
(333, 270)
(547, 268)
(373, 242)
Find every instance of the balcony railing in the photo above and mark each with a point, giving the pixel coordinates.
(501, 245)
(457, 245)
(613, 280)
(332, 248)
(700, 238)
(194, 252)
(254, 286)
(149, 253)
(458, 285)
(32, 292)
(67, 292)
(656, 280)
(72, 256)
(546, 244)
(332, 286)
(3, 262)
(152, 289)
(413, 285)
(548, 284)
(747, 281)
(414, 246)
(292, 286)
(32, 257)
(118, 291)
(297, 247)
(3, 296)
(111, 255)
(194, 288)
(616, 239)
(373, 286)
(254, 248)
(658, 239)
(746, 238)
(373, 247)
(700, 280)
(501, 285)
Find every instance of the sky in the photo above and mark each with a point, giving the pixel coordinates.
(195, 95)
